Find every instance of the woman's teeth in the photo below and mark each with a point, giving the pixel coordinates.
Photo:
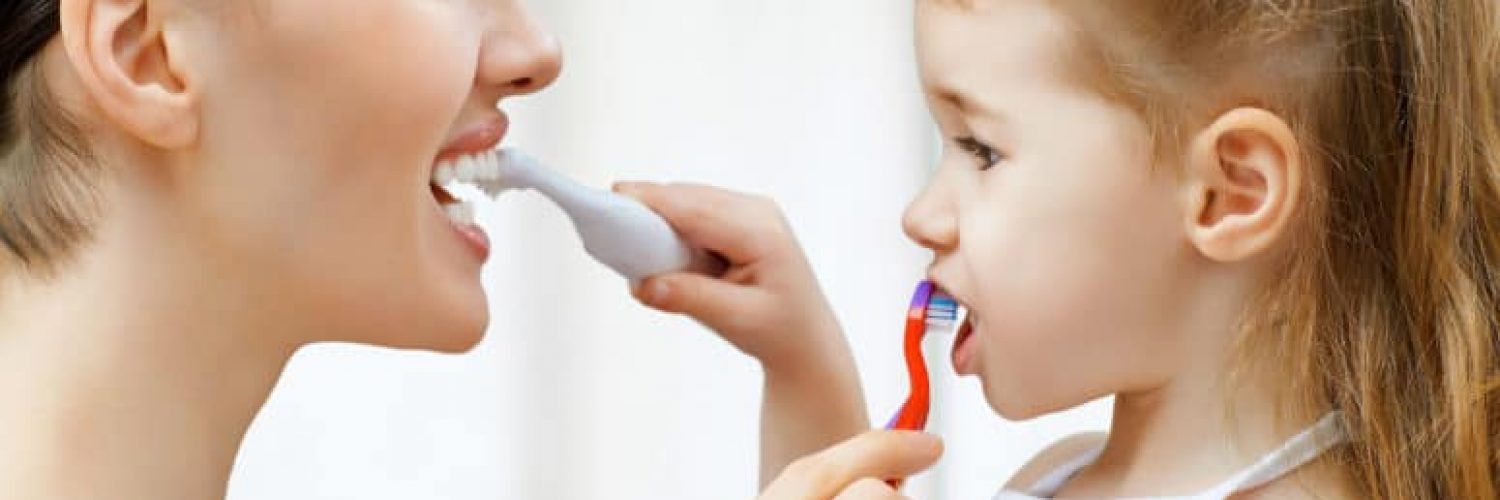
(478, 170)
(469, 169)
(461, 212)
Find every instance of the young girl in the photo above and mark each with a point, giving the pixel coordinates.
(190, 190)
(1269, 228)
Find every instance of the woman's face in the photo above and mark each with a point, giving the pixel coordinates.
(321, 123)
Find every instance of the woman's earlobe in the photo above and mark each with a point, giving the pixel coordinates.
(122, 55)
(1245, 175)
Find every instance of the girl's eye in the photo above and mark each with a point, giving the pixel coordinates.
(988, 157)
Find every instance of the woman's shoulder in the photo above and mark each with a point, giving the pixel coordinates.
(1053, 456)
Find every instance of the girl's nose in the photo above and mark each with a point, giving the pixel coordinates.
(930, 219)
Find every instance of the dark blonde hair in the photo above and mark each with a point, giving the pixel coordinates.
(1387, 305)
(44, 164)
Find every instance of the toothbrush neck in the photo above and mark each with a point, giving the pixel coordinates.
(572, 197)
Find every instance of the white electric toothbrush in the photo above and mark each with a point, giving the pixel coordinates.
(616, 230)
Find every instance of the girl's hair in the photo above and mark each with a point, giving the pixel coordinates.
(1388, 304)
(44, 162)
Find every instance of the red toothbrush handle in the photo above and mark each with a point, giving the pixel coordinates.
(913, 413)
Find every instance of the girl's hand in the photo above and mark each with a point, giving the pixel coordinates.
(857, 469)
(767, 304)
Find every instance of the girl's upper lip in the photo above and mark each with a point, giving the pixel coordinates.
(479, 137)
(937, 283)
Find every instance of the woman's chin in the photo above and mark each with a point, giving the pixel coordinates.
(453, 322)
(457, 333)
(457, 342)
(446, 337)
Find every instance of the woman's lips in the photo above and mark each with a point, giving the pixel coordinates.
(475, 238)
(479, 137)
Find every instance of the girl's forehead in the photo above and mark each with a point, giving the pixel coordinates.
(963, 45)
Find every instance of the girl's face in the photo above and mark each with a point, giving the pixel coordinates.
(321, 123)
(1047, 216)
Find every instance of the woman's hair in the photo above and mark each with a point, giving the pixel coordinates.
(1387, 306)
(44, 162)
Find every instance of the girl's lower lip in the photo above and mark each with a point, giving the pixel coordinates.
(965, 347)
(474, 238)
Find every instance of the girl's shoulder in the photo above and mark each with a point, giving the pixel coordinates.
(1053, 456)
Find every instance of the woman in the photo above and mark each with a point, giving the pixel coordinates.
(191, 190)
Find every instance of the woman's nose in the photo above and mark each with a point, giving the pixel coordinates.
(519, 56)
(930, 219)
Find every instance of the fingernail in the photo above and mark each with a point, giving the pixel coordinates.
(922, 441)
(930, 443)
(657, 291)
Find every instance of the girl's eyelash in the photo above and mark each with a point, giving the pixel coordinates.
(988, 157)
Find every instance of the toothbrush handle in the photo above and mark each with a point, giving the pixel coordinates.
(618, 231)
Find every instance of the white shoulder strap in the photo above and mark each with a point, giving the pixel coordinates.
(1054, 480)
(1301, 449)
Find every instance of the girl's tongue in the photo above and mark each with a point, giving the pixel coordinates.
(964, 347)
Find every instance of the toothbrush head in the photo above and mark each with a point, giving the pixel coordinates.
(508, 169)
(492, 172)
(942, 310)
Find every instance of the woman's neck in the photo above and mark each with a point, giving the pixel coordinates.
(133, 374)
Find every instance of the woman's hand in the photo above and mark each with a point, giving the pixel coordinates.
(767, 304)
(857, 469)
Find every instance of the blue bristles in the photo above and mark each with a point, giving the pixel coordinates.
(942, 310)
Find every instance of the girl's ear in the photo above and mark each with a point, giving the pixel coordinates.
(124, 59)
(1244, 180)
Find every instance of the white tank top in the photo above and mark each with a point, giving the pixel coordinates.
(1300, 450)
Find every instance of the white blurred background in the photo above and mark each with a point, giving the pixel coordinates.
(579, 393)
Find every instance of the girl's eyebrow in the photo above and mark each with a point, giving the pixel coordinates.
(966, 5)
(965, 103)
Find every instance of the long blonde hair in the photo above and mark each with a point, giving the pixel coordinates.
(1388, 306)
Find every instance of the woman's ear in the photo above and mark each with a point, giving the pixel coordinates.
(124, 62)
(1244, 180)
